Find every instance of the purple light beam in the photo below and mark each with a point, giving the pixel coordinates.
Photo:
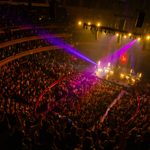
(113, 58)
(67, 47)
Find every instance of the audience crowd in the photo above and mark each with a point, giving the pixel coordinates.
(68, 116)
(12, 50)
(27, 31)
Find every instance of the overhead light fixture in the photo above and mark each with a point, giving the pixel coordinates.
(98, 24)
(85, 26)
(117, 34)
(89, 23)
(129, 34)
(125, 36)
(148, 37)
(138, 38)
(79, 23)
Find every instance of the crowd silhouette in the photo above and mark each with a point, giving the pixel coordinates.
(68, 116)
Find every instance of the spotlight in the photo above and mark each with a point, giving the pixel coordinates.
(148, 37)
(127, 77)
(133, 80)
(138, 38)
(79, 23)
(131, 71)
(109, 64)
(100, 70)
(117, 34)
(125, 36)
(111, 72)
(89, 23)
(99, 62)
(140, 75)
(98, 24)
(129, 34)
(106, 70)
(122, 76)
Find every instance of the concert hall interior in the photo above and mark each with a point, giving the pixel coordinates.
(74, 74)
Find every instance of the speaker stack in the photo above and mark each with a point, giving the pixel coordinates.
(140, 19)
